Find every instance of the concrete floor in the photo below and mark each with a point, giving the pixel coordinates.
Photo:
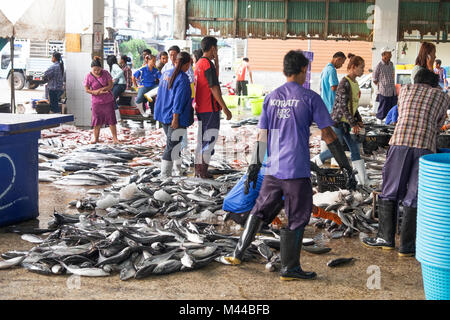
(398, 278)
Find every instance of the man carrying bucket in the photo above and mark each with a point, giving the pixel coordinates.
(422, 110)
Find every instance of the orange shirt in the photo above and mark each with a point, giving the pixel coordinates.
(241, 71)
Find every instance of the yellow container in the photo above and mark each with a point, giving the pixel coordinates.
(409, 66)
(231, 101)
(400, 67)
(254, 90)
(257, 105)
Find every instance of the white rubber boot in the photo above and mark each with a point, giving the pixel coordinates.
(179, 170)
(334, 163)
(323, 146)
(140, 108)
(317, 160)
(166, 169)
(361, 177)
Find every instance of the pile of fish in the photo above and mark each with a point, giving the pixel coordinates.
(94, 246)
(355, 209)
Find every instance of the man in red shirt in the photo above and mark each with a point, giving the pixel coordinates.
(209, 103)
(241, 83)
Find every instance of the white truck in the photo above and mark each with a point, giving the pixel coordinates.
(31, 60)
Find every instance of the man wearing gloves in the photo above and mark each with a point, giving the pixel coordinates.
(288, 113)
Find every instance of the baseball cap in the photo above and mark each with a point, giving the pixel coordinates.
(387, 49)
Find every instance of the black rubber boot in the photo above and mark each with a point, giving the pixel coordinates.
(252, 226)
(290, 248)
(387, 222)
(407, 246)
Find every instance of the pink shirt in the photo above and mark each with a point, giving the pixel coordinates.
(96, 83)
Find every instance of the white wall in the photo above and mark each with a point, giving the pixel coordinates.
(78, 101)
(80, 19)
(385, 28)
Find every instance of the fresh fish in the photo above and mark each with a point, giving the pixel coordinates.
(339, 262)
(187, 260)
(6, 264)
(32, 238)
(40, 268)
(317, 250)
(264, 250)
(127, 270)
(13, 254)
(204, 252)
(85, 272)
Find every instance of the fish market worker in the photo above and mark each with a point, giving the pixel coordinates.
(208, 104)
(422, 110)
(148, 75)
(174, 110)
(55, 77)
(284, 130)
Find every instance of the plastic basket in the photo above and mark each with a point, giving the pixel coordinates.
(331, 180)
(257, 105)
(254, 90)
(231, 101)
(436, 282)
(42, 108)
(372, 143)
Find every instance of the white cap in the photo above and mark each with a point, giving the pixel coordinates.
(386, 49)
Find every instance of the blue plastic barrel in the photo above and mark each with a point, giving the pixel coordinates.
(433, 225)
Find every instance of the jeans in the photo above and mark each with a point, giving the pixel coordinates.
(349, 139)
(54, 96)
(208, 133)
(143, 90)
(117, 90)
(173, 151)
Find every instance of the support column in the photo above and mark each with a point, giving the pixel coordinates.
(180, 20)
(84, 40)
(385, 29)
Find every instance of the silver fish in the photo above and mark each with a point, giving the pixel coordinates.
(6, 264)
(32, 238)
(86, 272)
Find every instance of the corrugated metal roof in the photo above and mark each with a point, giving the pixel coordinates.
(425, 16)
(281, 18)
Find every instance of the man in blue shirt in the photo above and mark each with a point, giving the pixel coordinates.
(329, 80)
(328, 84)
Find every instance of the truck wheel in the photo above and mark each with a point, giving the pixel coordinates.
(19, 80)
(32, 85)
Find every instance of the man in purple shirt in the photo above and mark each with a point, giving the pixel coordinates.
(284, 129)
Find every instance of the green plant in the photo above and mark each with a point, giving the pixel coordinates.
(135, 47)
